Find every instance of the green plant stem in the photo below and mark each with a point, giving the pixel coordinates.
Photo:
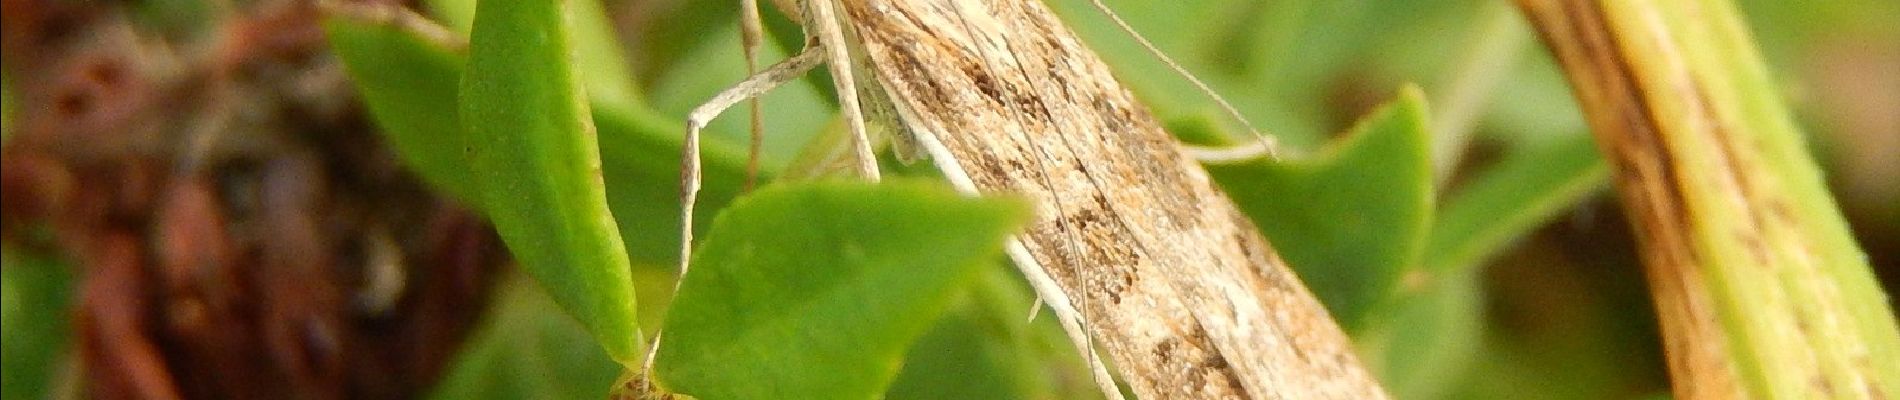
(1761, 289)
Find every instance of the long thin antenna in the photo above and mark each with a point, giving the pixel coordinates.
(1272, 145)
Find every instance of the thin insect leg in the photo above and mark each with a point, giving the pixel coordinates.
(696, 121)
(750, 34)
(824, 19)
(1271, 145)
(1229, 154)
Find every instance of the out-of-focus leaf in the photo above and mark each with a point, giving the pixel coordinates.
(1422, 344)
(792, 113)
(666, 43)
(532, 144)
(984, 348)
(1349, 221)
(409, 84)
(598, 57)
(1199, 49)
(816, 290)
(1505, 202)
(642, 154)
(527, 349)
(456, 14)
(1424, 341)
(34, 297)
(1589, 335)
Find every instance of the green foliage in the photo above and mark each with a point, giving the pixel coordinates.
(531, 141)
(1422, 344)
(34, 296)
(1351, 220)
(1358, 221)
(984, 348)
(602, 67)
(839, 275)
(409, 84)
(1422, 341)
(527, 349)
(1518, 194)
(414, 103)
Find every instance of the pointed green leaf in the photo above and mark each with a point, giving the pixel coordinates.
(527, 349)
(414, 103)
(815, 291)
(532, 144)
(1351, 220)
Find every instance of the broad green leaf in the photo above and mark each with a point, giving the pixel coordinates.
(817, 290)
(532, 144)
(1351, 220)
(1505, 202)
(527, 349)
(35, 294)
(409, 84)
(416, 108)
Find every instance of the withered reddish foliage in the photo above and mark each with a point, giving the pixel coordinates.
(240, 230)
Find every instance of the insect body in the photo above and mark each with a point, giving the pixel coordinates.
(1133, 247)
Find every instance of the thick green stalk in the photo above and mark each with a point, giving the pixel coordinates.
(1761, 289)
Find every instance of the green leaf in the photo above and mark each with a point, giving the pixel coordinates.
(456, 14)
(35, 294)
(532, 143)
(639, 150)
(1422, 344)
(409, 84)
(1508, 200)
(526, 350)
(816, 290)
(1425, 341)
(1349, 221)
(598, 57)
